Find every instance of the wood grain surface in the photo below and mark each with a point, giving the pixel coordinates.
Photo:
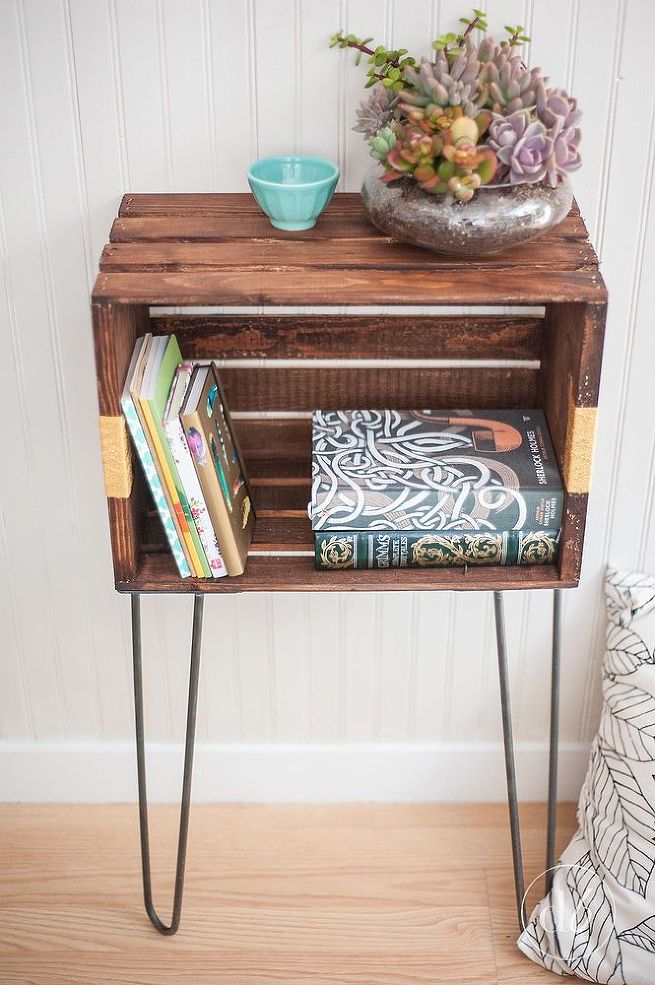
(115, 330)
(318, 895)
(233, 226)
(337, 253)
(304, 389)
(221, 249)
(354, 336)
(495, 283)
(157, 573)
(225, 203)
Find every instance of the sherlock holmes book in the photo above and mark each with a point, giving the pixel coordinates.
(448, 471)
(418, 549)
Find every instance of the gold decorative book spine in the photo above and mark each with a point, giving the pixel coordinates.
(336, 550)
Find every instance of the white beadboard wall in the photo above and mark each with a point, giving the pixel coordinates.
(328, 697)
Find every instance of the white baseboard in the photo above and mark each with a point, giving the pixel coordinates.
(98, 772)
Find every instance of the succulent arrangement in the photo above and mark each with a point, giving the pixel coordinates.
(472, 114)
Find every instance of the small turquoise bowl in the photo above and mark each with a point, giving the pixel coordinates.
(293, 190)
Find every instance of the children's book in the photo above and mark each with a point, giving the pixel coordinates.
(182, 457)
(164, 359)
(219, 466)
(150, 359)
(147, 462)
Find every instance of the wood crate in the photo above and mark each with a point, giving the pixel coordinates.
(219, 249)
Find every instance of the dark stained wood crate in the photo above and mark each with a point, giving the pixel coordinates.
(220, 250)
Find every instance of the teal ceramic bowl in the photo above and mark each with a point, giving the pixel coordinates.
(293, 190)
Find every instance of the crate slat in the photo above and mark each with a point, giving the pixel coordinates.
(489, 285)
(157, 573)
(334, 254)
(354, 336)
(307, 388)
(214, 203)
(238, 227)
(222, 203)
(235, 227)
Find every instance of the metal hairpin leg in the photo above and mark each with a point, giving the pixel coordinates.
(510, 766)
(196, 640)
(554, 737)
(508, 740)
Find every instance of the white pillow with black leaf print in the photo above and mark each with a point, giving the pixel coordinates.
(598, 921)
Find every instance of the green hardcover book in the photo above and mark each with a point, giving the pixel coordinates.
(434, 470)
(445, 549)
(154, 402)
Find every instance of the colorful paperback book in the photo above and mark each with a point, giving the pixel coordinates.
(142, 371)
(418, 549)
(148, 465)
(434, 470)
(147, 365)
(152, 402)
(182, 457)
(219, 466)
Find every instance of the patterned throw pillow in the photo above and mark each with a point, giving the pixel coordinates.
(598, 921)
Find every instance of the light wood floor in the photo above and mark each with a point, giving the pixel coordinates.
(387, 895)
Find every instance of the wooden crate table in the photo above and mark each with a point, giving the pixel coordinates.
(209, 250)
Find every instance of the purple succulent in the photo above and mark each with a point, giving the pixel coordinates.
(565, 156)
(374, 113)
(560, 114)
(556, 109)
(522, 145)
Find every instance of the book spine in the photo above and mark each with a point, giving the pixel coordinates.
(193, 546)
(418, 549)
(195, 498)
(543, 509)
(215, 501)
(152, 478)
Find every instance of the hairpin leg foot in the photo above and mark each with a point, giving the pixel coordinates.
(554, 737)
(510, 767)
(196, 640)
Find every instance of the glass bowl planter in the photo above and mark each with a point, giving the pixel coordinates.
(497, 217)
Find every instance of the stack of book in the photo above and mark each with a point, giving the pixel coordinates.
(433, 488)
(179, 422)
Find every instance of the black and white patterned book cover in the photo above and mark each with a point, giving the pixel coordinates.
(483, 470)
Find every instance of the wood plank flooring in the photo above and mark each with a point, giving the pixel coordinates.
(346, 895)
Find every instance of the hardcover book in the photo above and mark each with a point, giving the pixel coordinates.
(219, 466)
(182, 457)
(434, 470)
(419, 549)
